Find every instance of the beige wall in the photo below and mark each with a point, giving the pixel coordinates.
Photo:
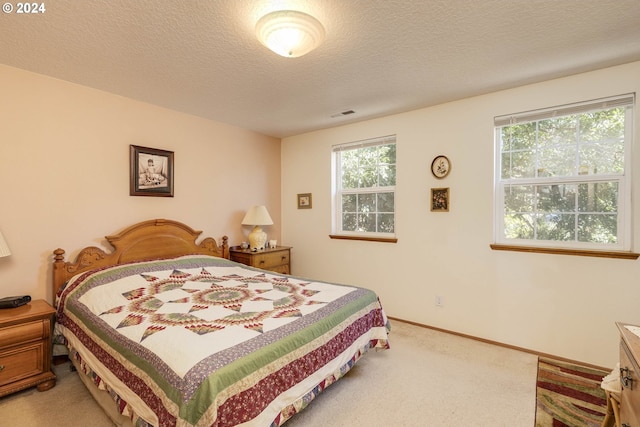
(64, 169)
(562, 305)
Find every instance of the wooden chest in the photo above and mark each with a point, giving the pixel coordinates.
(629, 378)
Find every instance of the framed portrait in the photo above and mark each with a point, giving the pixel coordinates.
(304, 201)
(151, 172)
(440, 200)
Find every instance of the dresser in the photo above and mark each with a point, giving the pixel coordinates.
(276, 259)
(629, 377)
(25, 347)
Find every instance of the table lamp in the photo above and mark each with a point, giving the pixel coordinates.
(257, 216)
(4, 248)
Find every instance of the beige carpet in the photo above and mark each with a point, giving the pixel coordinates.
(428, 378)
(68, 404)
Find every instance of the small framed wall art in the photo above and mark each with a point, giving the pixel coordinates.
(151, 172)
(440, 167)
(304, 201)
(440, 199)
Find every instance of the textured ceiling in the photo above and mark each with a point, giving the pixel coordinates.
(379, 57)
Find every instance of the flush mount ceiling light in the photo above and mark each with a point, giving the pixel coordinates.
(290, 33)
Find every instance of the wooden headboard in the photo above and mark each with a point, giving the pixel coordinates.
(147, 240)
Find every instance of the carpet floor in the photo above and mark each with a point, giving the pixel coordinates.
(569, 395)
(427, 378)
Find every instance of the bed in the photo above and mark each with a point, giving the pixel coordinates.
(165, 331)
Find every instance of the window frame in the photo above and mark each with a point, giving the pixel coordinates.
(337, 192)
(624, 211)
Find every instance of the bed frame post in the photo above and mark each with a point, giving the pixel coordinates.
(58, 270)
(225, 247)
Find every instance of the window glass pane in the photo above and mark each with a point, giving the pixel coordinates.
(386, 223)
(557, 131)
(598, 228)
(349, 203)
(386, 202)
(367, 222)
(368, 177)
(388, 154)
(557, 198)
(557, 161)
(368, 156)
(349, 172)
(505, 165)
(601, 158)
(519, 198)
(387, 175)
(349, 222)
(598, 197)
(519, 137)
(366, 203)
(555, 226)
(523, 164)
(519, 226)
(602, 126)
(349, 178)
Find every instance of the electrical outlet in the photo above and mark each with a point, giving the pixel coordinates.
(439, 301)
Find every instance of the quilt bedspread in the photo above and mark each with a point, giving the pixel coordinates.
(204, 341)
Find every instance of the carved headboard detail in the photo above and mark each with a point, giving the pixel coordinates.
(147, 240)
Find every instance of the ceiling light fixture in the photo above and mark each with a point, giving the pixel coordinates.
(290, 33)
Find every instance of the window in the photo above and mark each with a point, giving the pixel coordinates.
(364, 182)
(562, 176)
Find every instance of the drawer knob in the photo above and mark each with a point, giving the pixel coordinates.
(1, 368)
(261, 261)
(625, 378)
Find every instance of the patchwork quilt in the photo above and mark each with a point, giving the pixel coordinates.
(204, 341)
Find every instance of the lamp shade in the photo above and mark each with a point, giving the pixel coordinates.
(290, 33)
(4, 248)
(257, 215)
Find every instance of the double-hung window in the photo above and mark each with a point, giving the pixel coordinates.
(562, 177)
(364, 183)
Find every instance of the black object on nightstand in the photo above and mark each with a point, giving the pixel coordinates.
(13, 302)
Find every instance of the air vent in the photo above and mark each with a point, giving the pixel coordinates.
(344, 113)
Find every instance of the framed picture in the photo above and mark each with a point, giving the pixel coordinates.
(151, 172)
(304, 201)
(440, 200)
(440, 167)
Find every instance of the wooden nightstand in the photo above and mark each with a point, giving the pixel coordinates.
(276, 259)
(25, 347)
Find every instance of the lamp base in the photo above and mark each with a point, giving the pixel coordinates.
(257, 238)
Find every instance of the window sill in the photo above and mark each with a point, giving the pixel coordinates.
(558, 251)
(367, 239)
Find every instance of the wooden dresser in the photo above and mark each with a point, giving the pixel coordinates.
(276, 259)
(25, 347)
(629, 377)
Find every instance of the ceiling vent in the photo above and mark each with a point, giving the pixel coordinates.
(344, 113)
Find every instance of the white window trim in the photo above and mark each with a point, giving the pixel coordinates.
(625, 234)
(337, 192)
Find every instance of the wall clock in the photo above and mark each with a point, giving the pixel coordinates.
(440, 167)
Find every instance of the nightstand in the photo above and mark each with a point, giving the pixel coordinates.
(276, 259)
(25, 347)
